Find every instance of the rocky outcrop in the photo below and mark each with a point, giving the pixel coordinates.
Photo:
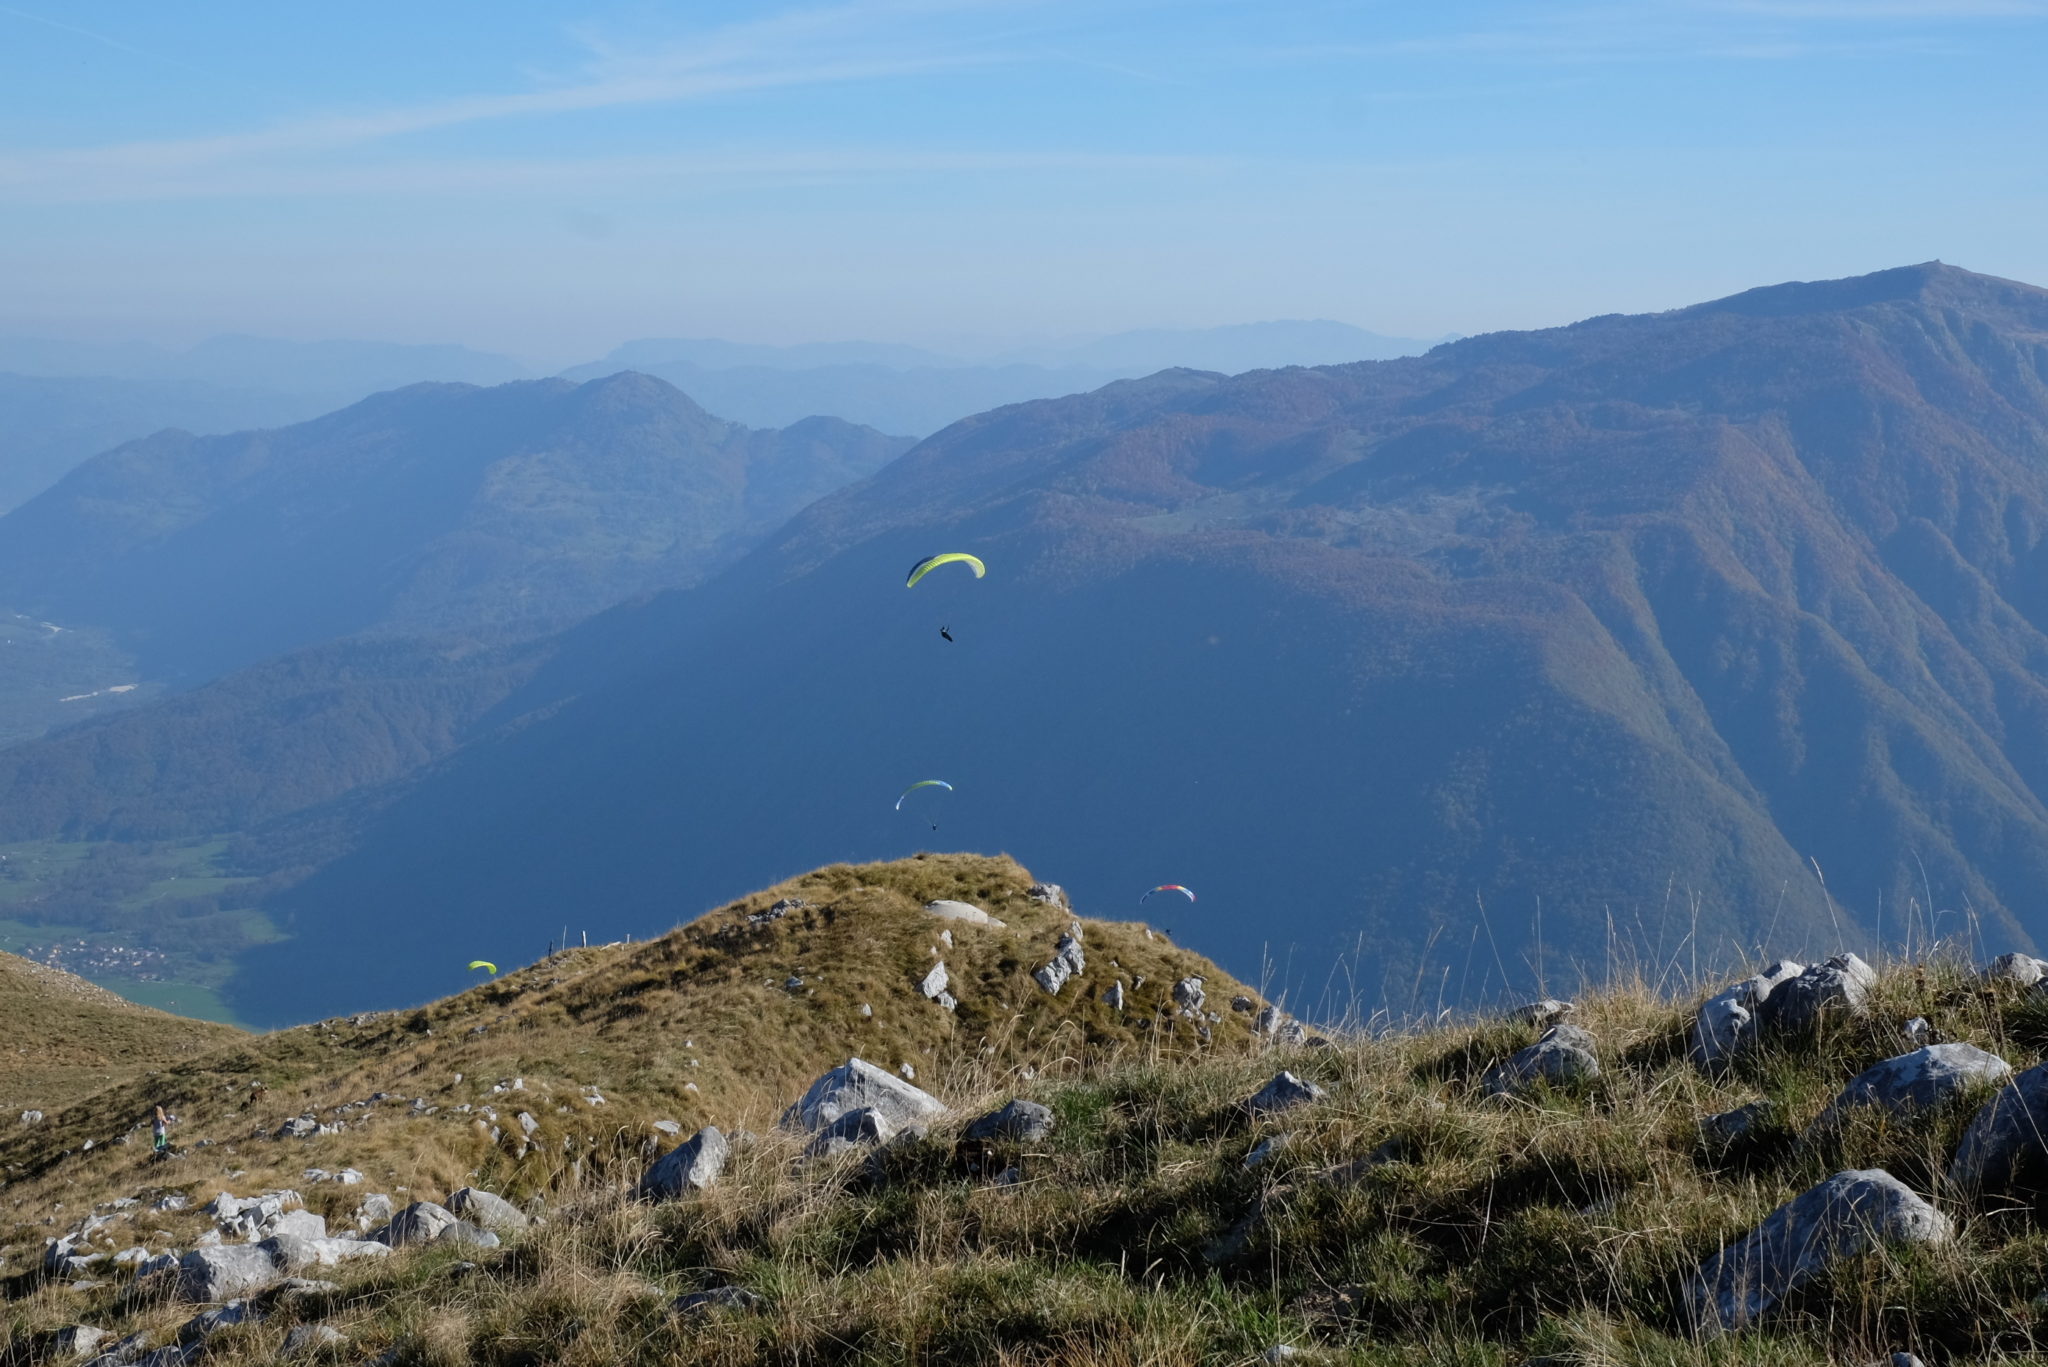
(1188, 995)
(1919, 1081)
(1850, 1213)
(1726, 1023)
(690, 1166)
(1564, 1055)
(2005, 1146)
(857, 1085)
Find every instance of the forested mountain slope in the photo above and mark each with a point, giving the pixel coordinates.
(437, 508)
(1616, 630)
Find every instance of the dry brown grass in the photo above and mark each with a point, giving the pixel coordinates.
(1489, 1231)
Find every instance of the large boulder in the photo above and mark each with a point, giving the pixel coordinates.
(1822, 992)
(856, 1085)
(1021, 1121)
(1850, 1213)
(1564, 1054)
(2005, 1147)
(690, 1166)
(490, 1212)
(1725, 1024)
(1918, 1081)
(226, 1271)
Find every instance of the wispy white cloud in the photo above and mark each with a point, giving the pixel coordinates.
(864, 40)
(1883, 11)
(712, 173)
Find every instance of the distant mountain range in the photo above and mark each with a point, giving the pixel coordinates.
(435, 509)
(62, 401)
(908, 389)
(1430, 675)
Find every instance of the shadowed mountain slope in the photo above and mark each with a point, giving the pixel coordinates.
(1616, 629)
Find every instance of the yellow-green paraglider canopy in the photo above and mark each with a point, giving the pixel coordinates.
(484, 963)
(932, 562)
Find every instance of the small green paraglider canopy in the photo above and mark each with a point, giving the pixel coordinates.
(932, 562)
(484, 963)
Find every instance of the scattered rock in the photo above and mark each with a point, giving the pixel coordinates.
(934, 986)
(31, 1117)
(422, 1222)
(1021, 1121)
(1725, 1024)
(76, 1341)
(1914, 1082)
(373, 1210)
(1113, 998)
(225, 1272)
(2004, 1149)
(2023, 970)
(1243, 1004)
(491, 1212)
(307, 1339)
(1067, 960)
(691, 1166)
(210, 1322)
(862, 1128)
(1730, 1127)
(1549, 1011)
(695, 1303)
(855, 1085)
(1283, 1093)
(1821, 992)
(1187, 995)
(1918, 1031)
(947, 910)
(1848, 1214)
(1049, 894)
(1563, 1056)
(1267, 1149)
(776, 912)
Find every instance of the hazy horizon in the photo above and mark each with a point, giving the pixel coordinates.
(926, 171)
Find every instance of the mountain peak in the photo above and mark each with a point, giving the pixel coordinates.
(1929, 282)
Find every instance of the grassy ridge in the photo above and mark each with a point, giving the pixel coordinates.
(1407, 1218)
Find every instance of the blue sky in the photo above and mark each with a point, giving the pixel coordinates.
(551, 179)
